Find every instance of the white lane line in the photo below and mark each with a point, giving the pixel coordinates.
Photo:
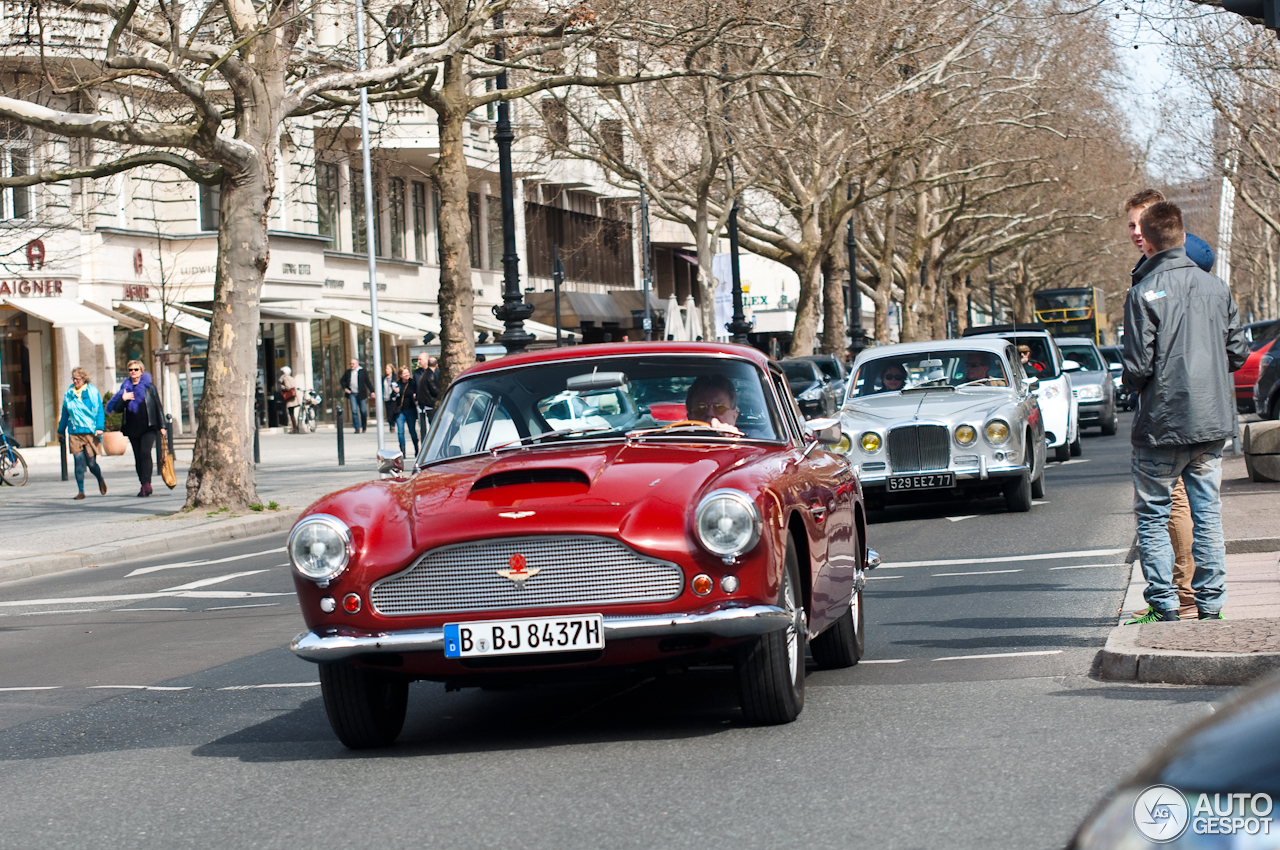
(234, 607)
(49, 613)
(1043, 556)
(142, 597)
(958, 518)
(136, 688)
(880, 578)
(882, 661)
(1000, 655)
(277, 685)
(40, 688)
(205, 582)
(1087, 566)
(182, 564)
(976, 573)
(132, 610)
(1075, 460)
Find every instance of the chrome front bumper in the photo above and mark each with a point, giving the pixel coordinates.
(964, 474)
(719, 622)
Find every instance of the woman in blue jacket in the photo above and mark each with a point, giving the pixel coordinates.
(82, 420)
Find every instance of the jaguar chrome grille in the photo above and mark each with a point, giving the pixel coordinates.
(918, 447)
(560, 571)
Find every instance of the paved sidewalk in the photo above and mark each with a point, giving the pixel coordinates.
(1231, 652)
(44, 530)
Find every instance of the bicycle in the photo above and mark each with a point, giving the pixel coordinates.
(310, 405)
(13, 466)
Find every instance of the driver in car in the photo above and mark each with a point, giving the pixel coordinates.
(713, 399)
(977, 368)
(893, 378)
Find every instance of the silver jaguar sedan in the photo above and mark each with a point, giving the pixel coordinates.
(945, 419)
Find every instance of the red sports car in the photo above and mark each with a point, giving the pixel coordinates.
(587, 511)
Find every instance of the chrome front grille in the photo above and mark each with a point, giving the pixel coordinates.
(569, 571)
(918, 447)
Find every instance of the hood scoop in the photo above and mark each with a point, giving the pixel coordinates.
(576, 479)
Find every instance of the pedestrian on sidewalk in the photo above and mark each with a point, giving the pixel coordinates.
(288, 389)
(426, 383)
(81, 424)
(1182, 341)
(1180, 527)
(357, 386)
(406, 409)
(143, 419)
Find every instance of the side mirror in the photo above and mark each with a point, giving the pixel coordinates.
(1030, 384)
(1070, 366)
(391, 462)
(826, 431)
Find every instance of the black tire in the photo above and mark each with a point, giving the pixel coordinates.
(844, 643)
(15, 469)
(1075, 448)
(771, 668)
(365, 709)
(1062, 453)
(1017, 494)
(1038, 484)
(1112, 424)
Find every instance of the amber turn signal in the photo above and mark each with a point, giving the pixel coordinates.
(351, 603)
(701, 584)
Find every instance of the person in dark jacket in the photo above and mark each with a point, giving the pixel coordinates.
(143, 419)
(405, 394)
(357, 386)
(1182, 342)
(427, 384)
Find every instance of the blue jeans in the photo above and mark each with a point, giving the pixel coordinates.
(359, 413)
(407, 418)
(1155, 473)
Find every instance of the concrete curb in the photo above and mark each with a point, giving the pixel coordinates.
(1123, 659)
(1253, 545)
(161, 543)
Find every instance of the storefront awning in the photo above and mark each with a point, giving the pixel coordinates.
(172, 315)
(386, 325)
(578, 308)
(273, 313)
(540, 332)
(59, 312)
(422, 324)
(122, 320)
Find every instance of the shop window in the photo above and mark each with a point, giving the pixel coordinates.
(327, 201)
(555, 119)
(210, 207)
(397, 217)
(360, 236)
(494, 229)
(473, 208)
(419, 221)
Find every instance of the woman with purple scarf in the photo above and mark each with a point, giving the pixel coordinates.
(143, 419)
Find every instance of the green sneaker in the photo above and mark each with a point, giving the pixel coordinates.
(1154, 616)
(1212, 615)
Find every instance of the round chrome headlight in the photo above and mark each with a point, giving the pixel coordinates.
(870, 442)
(965, 435)
(727, 523)
(320, 547)
(997, 432)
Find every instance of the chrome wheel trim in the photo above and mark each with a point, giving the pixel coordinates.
(794, 627)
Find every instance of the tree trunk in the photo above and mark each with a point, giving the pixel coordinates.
(222, 473)
(834, 263)
(456, 298)
(805, 336)
(706, 283)
(960, 294)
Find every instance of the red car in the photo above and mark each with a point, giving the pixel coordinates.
(589, 511)
(1262, 335)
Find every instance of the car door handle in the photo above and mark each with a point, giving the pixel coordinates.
(819, 512)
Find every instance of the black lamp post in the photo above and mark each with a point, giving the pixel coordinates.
(857, 337)
(513, 310)
(739, 327)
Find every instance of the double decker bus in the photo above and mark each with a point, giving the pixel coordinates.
(1080, 311)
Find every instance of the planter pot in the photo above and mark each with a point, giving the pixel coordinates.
(114, 442)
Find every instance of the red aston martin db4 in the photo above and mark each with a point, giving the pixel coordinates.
(585, 511)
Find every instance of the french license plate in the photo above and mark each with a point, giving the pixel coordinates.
(930, 481)
(522, 637)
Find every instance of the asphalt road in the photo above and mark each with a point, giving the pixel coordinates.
(155, 704)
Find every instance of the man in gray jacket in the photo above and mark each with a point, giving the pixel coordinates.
(1182, 341)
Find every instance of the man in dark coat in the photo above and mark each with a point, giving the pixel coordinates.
(427, 381)
(357, 386)
(1182, 341)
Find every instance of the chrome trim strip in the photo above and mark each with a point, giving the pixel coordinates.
(720, 622)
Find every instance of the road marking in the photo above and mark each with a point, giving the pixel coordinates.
(958, 518)
(183, 564)
(131, 610)
(1043, 556)
(205, 582)
(976, 573)
(71, 611)
(140, 597)
(136, 688)
(234, 607)
(1087, 566)
(880, 578)
(1075, 460)
(278, 685)
(39, 688)
(1000, 655)
(882, 661)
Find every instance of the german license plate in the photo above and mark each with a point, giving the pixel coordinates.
(930, 481)
(522, 637)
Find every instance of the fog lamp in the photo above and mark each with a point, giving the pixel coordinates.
(701, 584)
(351, 603)
(328, 605)
(729, 584)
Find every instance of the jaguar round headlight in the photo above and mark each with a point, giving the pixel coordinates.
(320, 547)
(965, 435)
(997, 432)
(870, 442)
(727, 523)
(843, 447)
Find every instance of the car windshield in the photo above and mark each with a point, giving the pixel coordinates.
(1085, 355)
(830, 368)
(602, 398)
(798, 371)
(944, 368)
(1113, 354)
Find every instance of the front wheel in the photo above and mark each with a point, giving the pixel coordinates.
(1017, 494)
(13, 468)
(1112, 423)
(1062, 453)
(771, 668)
(845, 643)
(1038, 484)
(1075, 449)
(365, 709)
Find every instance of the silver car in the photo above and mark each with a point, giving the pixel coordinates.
(944, 419)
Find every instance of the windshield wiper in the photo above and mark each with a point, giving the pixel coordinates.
(533, 438)
(682, 427)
